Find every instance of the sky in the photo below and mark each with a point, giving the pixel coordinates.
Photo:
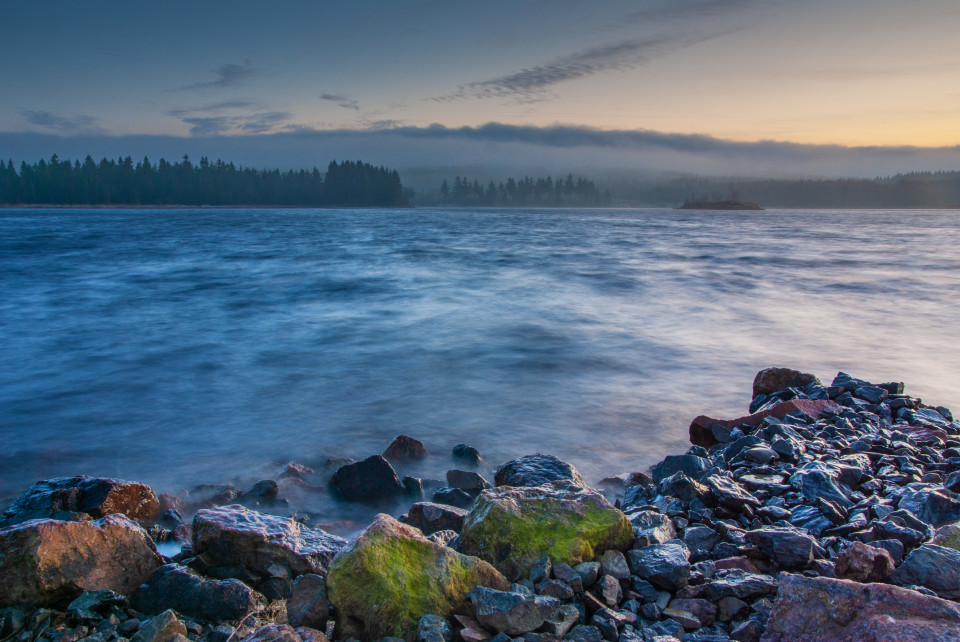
(856, 87)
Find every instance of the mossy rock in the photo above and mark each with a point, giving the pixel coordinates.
(514, 527)
(948, 536)
(391, 575)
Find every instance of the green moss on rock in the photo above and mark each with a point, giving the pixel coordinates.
(514, 527)
(391, 575)
(948, 536)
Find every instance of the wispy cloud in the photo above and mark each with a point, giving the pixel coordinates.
(227, 104)
(258, 123)
(228, 75)
(342, 101)
(78, 124)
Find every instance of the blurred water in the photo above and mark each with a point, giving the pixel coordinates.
(179, 346)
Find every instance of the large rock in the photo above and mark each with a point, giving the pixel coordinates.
(237, 536)
(181, 589)
(511, 613)
(770, 380)
(934, 567)
(405, 447)
(391, 575)
(79, 498)
(536, 470)
(369, 480)
(935, 506)
(701, 433)
(512, 528)
(784, 547)
(309, 605)
(430, 517)
(665, 565)
(862, 563)
(809, 609)
(49, 563)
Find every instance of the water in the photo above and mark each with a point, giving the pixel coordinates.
(184, 346)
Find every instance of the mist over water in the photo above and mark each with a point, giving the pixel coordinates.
(183, 346)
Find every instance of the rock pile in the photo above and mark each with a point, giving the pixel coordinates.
(828, 512)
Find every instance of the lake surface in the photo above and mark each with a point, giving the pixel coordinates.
(184, 346)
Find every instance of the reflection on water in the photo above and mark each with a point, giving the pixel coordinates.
(182, 346)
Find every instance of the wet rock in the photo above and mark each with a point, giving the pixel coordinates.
(704, 610)
(182, 589)
(405, 448)
(265, 492)
(689, 465)
(430, 517)
(512, 528)
(561, 620)
(567, 574)
(584, 633)
(555, 588)
(786, 548)
(748, 631)
(590, 571)
(368, 480)
(467, 480)
(651, 527)
(731, 608)
(665, 565)
(827, 609)
(308, 604)
(82, 497)
(536, 470)
(862, 563)
(511, 613)
(701, 432)
(819, 480)
(238, 536)
(93, 605)
(739, 584)
(453, 497)
(700, 540)
(614, 564)
(729, 493)
(892, 546)
(467, 454)
(49, 563)
(935, 506)
(390, 575)
(770, 380)
(935, 567)
(760, 455)
(433, 628)
(161, 628)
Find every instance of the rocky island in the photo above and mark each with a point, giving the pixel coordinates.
(827, 512)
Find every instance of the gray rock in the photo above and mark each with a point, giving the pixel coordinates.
(614, 563)
(771, 380)
(308, 604)
(584, 633)
(453, 497)
(760, 455)
(741, 585)
(651, 527)
(786, 548)
(91, 605)
(561, 620)
(689, 465)
(430, 517)
(511, 613)
(935, 567)
(433, 628)
(467, 480)
(177, 587)
(665, 565)
(536, 470)
(161, 628)
(589, 571)
(700, 540)
(368, 480)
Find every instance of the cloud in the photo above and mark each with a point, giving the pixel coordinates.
(257, 123)
(228, 75)
(342, 101)
(79, 124)
(227, 104)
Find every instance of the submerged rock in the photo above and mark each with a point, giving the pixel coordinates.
(536, 470)
(391, 575)
(512, 528)
(368, 480)
(82, 497)
(405, 447)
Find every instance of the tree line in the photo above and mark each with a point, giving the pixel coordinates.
(524, 192)
(123, 182)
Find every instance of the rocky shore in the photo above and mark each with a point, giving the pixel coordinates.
(829, 512)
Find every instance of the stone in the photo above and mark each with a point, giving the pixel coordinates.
(405, 448)
(49, 563)
(892, 546)
(511, 613)
(700, 540)
(739, 584)
(430, 517)
(92, 605)
(651, 527)
(472, 631)
(467, 480)
(372, 479)
(433, 628)
(701, 432)
(584, 633)
(947, 536)
(541, 570)
(731, 608)
(614, 564)
(729, 493)
(536, 470)
(512, 528)
(263, 493)
(308, 604)
(935, 506)
(161, 628)
(704, 610)
(568, 575)
(760, 455)
(555, 588)
(771, 380)
(273, 633)
(828, 609)
(391, 574)
(784, 547)
(453, 497)
(934, 567)
(561, 620)
(817, 480)
(665, 565)
(748, 631)
(689, 465)
(610, 592)
(862, 563)
(467, 454)
(237, 536)
(182, 589)
(72, 498)
(589, 571)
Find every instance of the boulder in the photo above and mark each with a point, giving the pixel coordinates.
(512, 528)
(369, 480)
(405, 448)
(862, 563)
(179, 588)
(739, 584)
(689, 465)
(935, 506)
(819, 608)
(664, 565)
(509, 612)
(934, 567)
(73, 498)
(237, 536)
(430, 517)
(536, 470)
(701, 428)
(452, 497)
(467, 480)
(308, 605)
(770, 380)
(49, 563)
(467, 454)
(784, 547)
(390, 575)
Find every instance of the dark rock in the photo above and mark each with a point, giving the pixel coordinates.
(862, 563)
(561, 620)
(566, 573)
(741, 585)
(827, 609)
(555, 588)
(511, 613)
(453, 497)
(264, 493)
(430, 517)
(179, 588)
(731, 608)
(584, 633)
(770, 380)
(308, 604)
(935, 567)
(818, 480)
(683, 487)
(729, 493)
(700, 540)
(748, 631)
(368, 480)
(614, 563)
(467, 454)
(467, 480)
(701, 433)
(82, 497)
(704, 610)
(433, 628)
(161, 628)
(405, 448)
(536, 470)
(541, 570)
(892, 546)
(786, 548)
(651, 527)
(296, 470)
(665, 565)
(590, 571)
(935, 506)
(689, 465)
(273, 633)
(413, 487)
(760, 455)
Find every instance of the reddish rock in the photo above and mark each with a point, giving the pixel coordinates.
(703, 610)
(862, 563)
(822, 609)
(771, 380)
(743, 563)
(49, 562)
(701, 435)
(82, 497)
(405, 447)
(234, 535)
